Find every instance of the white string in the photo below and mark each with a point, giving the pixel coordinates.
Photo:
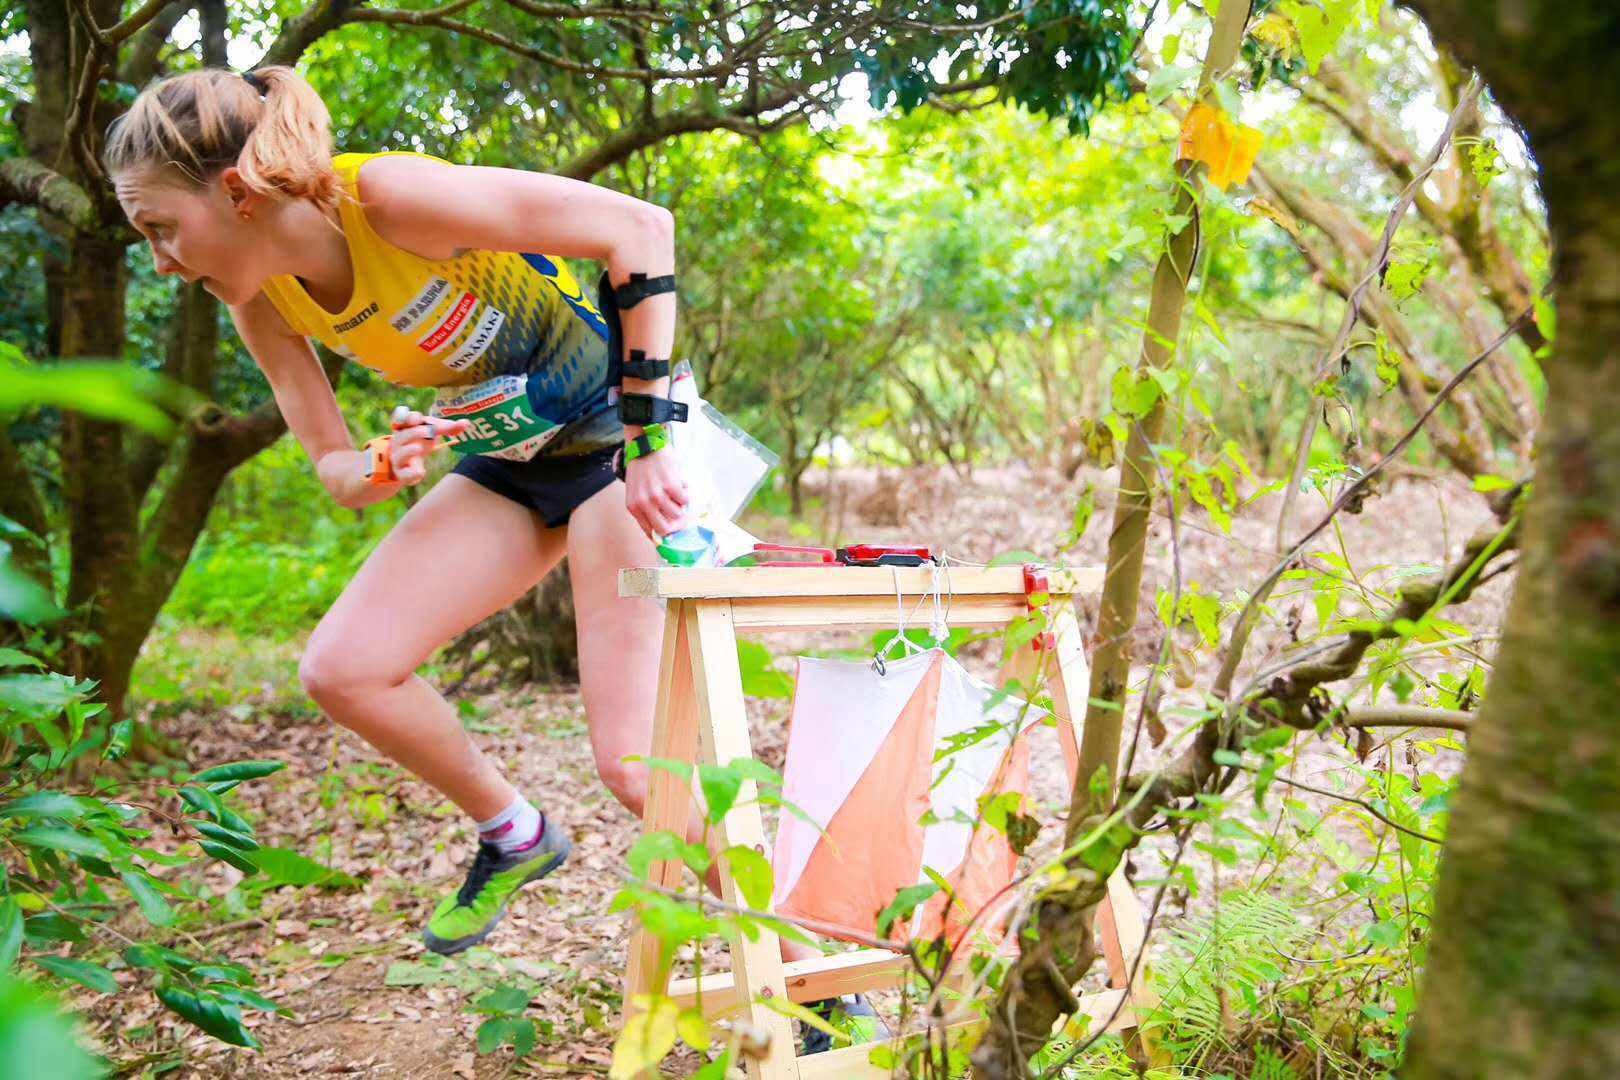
(909, 647)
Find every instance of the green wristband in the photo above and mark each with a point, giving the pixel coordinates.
(653, 437)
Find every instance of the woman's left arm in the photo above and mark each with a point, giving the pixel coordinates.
(435, 209)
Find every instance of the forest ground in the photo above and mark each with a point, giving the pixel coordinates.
(367, 1000)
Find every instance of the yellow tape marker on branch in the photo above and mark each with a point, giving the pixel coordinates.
(1209, 135)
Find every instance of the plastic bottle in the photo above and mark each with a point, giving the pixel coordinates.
(691, 546)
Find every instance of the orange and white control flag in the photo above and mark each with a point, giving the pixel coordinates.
(863, 763)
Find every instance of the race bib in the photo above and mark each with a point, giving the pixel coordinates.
(503, 422)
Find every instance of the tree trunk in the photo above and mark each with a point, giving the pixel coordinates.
(1523, 978)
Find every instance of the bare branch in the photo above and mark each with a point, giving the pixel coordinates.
(301, 31)
(1375, 716)
(142, 62)
(24, 180)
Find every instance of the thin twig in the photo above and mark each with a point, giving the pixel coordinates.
(1364, 804)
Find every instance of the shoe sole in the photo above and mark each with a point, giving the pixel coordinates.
(451, 946)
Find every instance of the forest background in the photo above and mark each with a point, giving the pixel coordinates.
(926, 270)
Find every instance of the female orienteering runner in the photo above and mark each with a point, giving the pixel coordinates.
(416, 268)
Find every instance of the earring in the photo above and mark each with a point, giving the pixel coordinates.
(244, 215)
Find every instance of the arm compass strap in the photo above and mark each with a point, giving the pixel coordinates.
(644, 409)
(639, 287)
(639, 367)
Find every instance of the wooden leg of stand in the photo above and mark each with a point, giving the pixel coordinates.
(669, 800)
(756, 966)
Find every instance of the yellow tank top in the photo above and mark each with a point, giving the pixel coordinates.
(459, 321)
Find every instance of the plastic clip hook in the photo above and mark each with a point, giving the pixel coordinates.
(1038, 599)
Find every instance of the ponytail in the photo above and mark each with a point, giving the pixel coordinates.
(201, 122)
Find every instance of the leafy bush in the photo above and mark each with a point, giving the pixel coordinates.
(77, 850)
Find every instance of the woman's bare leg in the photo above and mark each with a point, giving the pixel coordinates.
(459, 555)
(619, 644)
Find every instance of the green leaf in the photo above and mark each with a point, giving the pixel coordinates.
(229, 855)
(1167, 80)
(239, 771)
(25, 600)
(52, 927)
(752, 873)
(519, 1031)
(693, 1028)
(759, 677)
(1489, 482)
(103, 389)
(662, 846)
(63, 839)
(755, 770)
(1405, 279)
(682, 769)
(14, 658)
(82, 972)
(40, 697)
(1017, 558)
(647, 1036)
(240, 841)
(502, 1000)
(153, 906)
(37, 1037)
(44, 804)
(904, 904)
(720, 785)
(241, 996)
(221, 1019)
(119, 737)
(11, 932)
(202, 801)
(1546, 316)
(156, 958)
(283, 867)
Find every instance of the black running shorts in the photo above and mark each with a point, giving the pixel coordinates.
(553, 487)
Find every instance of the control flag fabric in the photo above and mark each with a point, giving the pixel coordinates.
(894, 768)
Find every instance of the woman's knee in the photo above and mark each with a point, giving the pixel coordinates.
(330, 674)
(627, 780)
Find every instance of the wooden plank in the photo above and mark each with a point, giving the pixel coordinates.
(796, 613)
(739, 582)
(855, 1062)
(819, 977)
(669, 801)
(723, 735)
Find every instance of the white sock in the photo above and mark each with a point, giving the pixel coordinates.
(517, 827)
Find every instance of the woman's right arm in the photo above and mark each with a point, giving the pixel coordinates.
(308, 405)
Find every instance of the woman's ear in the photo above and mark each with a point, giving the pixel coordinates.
(244, 202)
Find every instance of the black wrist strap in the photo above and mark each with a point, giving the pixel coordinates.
(639, 287)
(639, 367)
(643, 409)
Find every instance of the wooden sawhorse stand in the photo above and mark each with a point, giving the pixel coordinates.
(700, 709)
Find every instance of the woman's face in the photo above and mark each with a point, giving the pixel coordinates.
(198, 234)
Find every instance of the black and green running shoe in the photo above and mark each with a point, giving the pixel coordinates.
(851, 1014)
(463, 920)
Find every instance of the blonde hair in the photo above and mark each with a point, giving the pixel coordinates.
(200, 122)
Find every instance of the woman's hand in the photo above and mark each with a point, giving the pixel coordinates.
(416, 435)
(655, 494)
